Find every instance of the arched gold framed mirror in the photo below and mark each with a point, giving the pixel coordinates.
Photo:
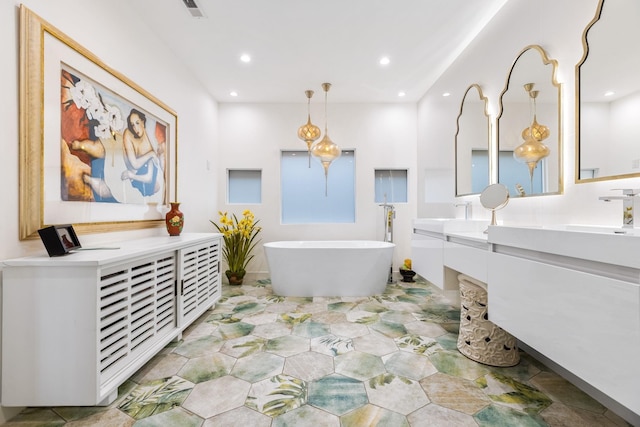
(608, 94)
(472, 143)
(529, 126)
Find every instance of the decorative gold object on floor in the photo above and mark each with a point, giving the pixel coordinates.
(406, 272)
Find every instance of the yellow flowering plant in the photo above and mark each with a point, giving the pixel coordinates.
(239, 239)
(406, 265)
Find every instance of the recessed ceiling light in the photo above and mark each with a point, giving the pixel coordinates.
(385, 60)
(233, 93)
(446, 94)
(245, 57)
(401, 94)
(609, 93)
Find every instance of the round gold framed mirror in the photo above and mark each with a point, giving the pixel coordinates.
(494, 197)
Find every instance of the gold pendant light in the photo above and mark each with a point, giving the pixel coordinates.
(309, 132)
(532, 150)
(326, 150)
(538, 131)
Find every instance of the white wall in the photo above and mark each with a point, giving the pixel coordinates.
(557, 27)
(383, 136)
(136, 53)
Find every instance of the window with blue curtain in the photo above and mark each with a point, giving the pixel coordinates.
(244, 186)
(391, 185)
(303, 189)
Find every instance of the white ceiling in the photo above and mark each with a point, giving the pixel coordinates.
(298, 44)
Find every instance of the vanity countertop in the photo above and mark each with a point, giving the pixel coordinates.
(450, 225)
(600, 244)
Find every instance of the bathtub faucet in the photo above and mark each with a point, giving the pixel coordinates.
(389, 216)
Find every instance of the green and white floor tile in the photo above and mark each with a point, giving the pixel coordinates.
(259, 359)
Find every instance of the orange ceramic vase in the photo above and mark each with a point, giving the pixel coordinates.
(174, 220)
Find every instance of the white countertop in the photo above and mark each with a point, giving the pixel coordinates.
(463, 231)
(450, 225)
(599, 244)
(112, 252)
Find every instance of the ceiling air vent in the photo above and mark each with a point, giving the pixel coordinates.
(193, 8)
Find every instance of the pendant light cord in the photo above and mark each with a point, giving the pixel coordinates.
(326, 116)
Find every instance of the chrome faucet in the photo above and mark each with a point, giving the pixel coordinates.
(389, 216)
(628, 201)
(467, 208)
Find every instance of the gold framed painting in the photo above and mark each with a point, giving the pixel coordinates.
(96, 150)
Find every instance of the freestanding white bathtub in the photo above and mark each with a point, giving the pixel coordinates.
(329, 268)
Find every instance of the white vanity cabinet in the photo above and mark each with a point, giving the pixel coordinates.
(427, 256)
(467, 253)
(441, 248)
(575, 298)
(76, 327)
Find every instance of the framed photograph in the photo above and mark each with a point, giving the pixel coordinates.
(59, 239)
(96, 150)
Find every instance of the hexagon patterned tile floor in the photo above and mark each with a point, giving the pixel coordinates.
(258, 359)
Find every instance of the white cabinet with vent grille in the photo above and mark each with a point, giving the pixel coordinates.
(76, 327)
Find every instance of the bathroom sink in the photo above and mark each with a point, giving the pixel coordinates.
(434, 225)
(610, 245)
(596, 229)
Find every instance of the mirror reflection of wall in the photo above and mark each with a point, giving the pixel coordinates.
(609, 94)
(472, 143)
(523, 114)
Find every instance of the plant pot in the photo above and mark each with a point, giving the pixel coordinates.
(407, 275)
(235, 277)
